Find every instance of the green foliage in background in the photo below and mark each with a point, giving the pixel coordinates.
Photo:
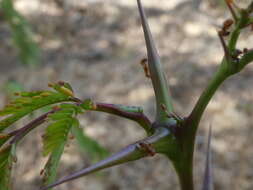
(22, 35)
(11, 87)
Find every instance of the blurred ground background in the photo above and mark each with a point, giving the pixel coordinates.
(96, 46)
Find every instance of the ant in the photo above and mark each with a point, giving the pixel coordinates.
(225, 27)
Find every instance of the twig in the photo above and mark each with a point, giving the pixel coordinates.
(20, 133)
(229, 2)
(224, 46)
(138, 117)
(117, 110)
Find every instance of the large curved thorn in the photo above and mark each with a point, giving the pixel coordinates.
(156, 72)
(130, 153)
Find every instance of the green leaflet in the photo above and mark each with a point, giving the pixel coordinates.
(12, 86)
(56, 134)
(63, 87)
(88, 145)
(50, 169)
(27, 103)
(56, 137)
(60, 124)
(6, 160)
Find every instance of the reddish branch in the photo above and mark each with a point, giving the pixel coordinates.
(20, 133)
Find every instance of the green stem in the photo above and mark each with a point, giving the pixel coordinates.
(234, 38)
(185, 175)
(244, 19)
(205, 98)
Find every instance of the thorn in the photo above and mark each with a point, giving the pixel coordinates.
(130, 153)
(153, 56)
(144, 65)
(159, 81)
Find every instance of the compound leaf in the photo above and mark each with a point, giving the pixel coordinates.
(27, 102)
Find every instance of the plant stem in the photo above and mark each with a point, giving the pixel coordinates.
(185, 167)
(20, 133)
(244, 19)
(226, 69)
(138, 117)
(185, 175)
(122, 111)
(205, 98)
